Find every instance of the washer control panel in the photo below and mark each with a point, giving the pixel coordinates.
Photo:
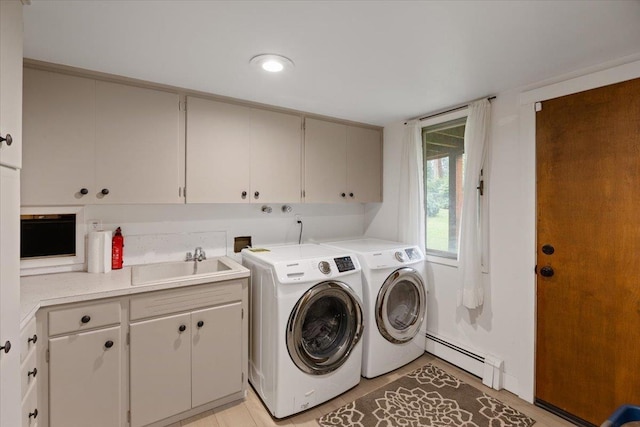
(324, 267)
(344, 264)
(400, 256)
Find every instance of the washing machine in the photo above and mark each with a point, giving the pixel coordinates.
(394, 303)
(306, 325)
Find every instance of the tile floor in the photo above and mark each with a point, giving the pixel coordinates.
(252, 413)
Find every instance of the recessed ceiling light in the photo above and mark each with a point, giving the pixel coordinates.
(271, 62)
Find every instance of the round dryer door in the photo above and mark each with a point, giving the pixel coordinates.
(401, 305)
(324, 327)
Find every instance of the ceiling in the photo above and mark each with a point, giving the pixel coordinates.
(369, 61)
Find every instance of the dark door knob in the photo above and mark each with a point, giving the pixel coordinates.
(350, 194)
(546, 271)
(182, 328)
(34, 373)
(33, 414)
(84, 191)
(244, 194)
(256, 194)
(548, 250)
(6, 347)
(343, 195)
(200, 323)
(7, 138)
(105, 191)
(85, 319)
(108, 344)
(33, 339)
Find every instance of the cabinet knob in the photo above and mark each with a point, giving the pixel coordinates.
(350, 194)
(343, 195)
(256, 195)
(34, 373)
(108, 344)
(85, 319)
(33, 339)
(84, 191)
(6, 347)
(7, 138)
(105, 191)
(200, 323)
(244, 194)
(182, 328)
(33, 414)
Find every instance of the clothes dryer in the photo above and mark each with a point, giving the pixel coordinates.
(305, 325)
(395, 303)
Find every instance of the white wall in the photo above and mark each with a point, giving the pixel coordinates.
(505, 325)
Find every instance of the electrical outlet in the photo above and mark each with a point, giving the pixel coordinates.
(94, 225)
(298, 218)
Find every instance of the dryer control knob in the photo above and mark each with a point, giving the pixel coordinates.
(400, 256)
(324, 267)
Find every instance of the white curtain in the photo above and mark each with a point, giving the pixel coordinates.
(476, 132)
(411, 219)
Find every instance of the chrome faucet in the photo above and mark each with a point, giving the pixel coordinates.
(199, 255)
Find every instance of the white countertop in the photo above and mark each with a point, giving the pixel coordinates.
(61, 288)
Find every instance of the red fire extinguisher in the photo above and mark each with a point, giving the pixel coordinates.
(117, 244)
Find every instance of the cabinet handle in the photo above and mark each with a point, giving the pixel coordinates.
(34, 373)
(33, 414)
(7, 138)
(105, 191)
(85, 319)
(33, 339)
(343, 195)
(350, 194)
(182, 328)
(108, 344)
(6, 347)
(256, 195)
(84, 191)
(244, 194)
(200, 323)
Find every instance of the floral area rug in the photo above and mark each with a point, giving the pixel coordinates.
(427, 396)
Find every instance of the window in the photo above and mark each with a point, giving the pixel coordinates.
(443, 148)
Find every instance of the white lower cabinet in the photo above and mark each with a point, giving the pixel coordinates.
(85, 379)
(183, 361)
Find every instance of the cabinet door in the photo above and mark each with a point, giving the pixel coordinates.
(11, 82)
(216, 369)
(276, 140)
(138, 145)
(9, 295)
(85, 379)
(160, 368)
(364, 165)
(325, 161)
(59, 136)
(218, 147)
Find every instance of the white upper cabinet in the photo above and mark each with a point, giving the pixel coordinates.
(85, 138)
(59, 132)
(218, 146)
(11, 83)
(238, 154)
(137, 145)
(342, 163)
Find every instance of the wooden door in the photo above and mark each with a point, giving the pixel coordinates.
(85, 379)
(216, 369)
(364, 165)
(588, 195)
(11, 82)
(59, 139)
(138, 145)
(218, 152)
(160, 368)
(325, 161)
(276, 144)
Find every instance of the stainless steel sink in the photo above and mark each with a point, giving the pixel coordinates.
(191, 271)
